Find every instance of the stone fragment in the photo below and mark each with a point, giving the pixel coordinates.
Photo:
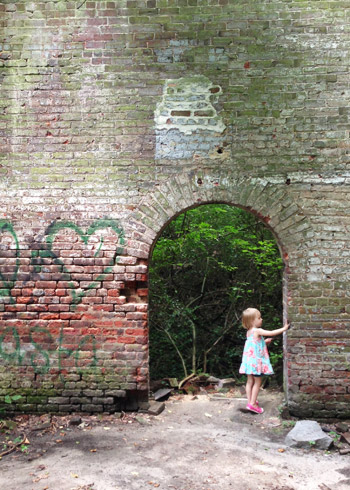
(226, 383)
(144, 406)
(158, 384)
(344, 451)
(162, 394)
(75, 420)
(345, 437)
(342, 427)
(156, 408)
(142, 421)
(307, 434)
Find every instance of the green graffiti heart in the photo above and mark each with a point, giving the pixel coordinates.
(100, 224)
(7, 284)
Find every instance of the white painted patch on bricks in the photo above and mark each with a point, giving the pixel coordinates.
(187, 106)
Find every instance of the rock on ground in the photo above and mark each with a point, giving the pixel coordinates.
(308, 433)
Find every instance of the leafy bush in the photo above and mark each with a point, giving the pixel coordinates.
(209, 264)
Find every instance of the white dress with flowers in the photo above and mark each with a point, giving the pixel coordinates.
(255, 358)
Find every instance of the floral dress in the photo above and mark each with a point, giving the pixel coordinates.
(255, 359)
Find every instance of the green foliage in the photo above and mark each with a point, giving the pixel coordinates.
(6, 425)
(10, 399)
(334, 435)
(209, 264)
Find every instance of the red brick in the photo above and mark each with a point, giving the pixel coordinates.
(135, 331)
(26, 300)
(58, 307)
(15, 308)
(37, 307)
(49, 316)
(46, 284)
(126, 340)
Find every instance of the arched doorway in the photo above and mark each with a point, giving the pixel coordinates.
(277, 206)
(208, 264)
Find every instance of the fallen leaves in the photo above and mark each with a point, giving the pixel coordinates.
(89, 486)
(8, 424)
(18, 442)
(41, 477)
(37, 478)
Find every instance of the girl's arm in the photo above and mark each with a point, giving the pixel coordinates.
(272, 333)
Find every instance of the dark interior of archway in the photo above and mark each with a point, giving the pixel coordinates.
(208, 265)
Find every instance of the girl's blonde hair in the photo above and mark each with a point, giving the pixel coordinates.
(248, 316)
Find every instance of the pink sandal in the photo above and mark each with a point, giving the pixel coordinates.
(254, 409)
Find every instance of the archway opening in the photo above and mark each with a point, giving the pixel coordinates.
(208, 264)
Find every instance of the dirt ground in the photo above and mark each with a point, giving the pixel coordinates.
(196, 443)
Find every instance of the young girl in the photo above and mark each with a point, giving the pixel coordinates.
(256, 361)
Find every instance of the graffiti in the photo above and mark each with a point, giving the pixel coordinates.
(39, 351)
(40, 257)
(100, 246)
(8, 279)
(16, 353)
(101, 224)
(43, 359)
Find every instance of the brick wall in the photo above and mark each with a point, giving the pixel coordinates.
(116, 116)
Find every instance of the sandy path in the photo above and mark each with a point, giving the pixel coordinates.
(193, 445)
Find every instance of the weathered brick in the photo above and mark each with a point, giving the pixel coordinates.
(113, 129)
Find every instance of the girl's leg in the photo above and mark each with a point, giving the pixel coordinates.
(249, 386)
(255, 389)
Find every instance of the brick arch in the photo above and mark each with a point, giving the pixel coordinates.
(271, 202)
